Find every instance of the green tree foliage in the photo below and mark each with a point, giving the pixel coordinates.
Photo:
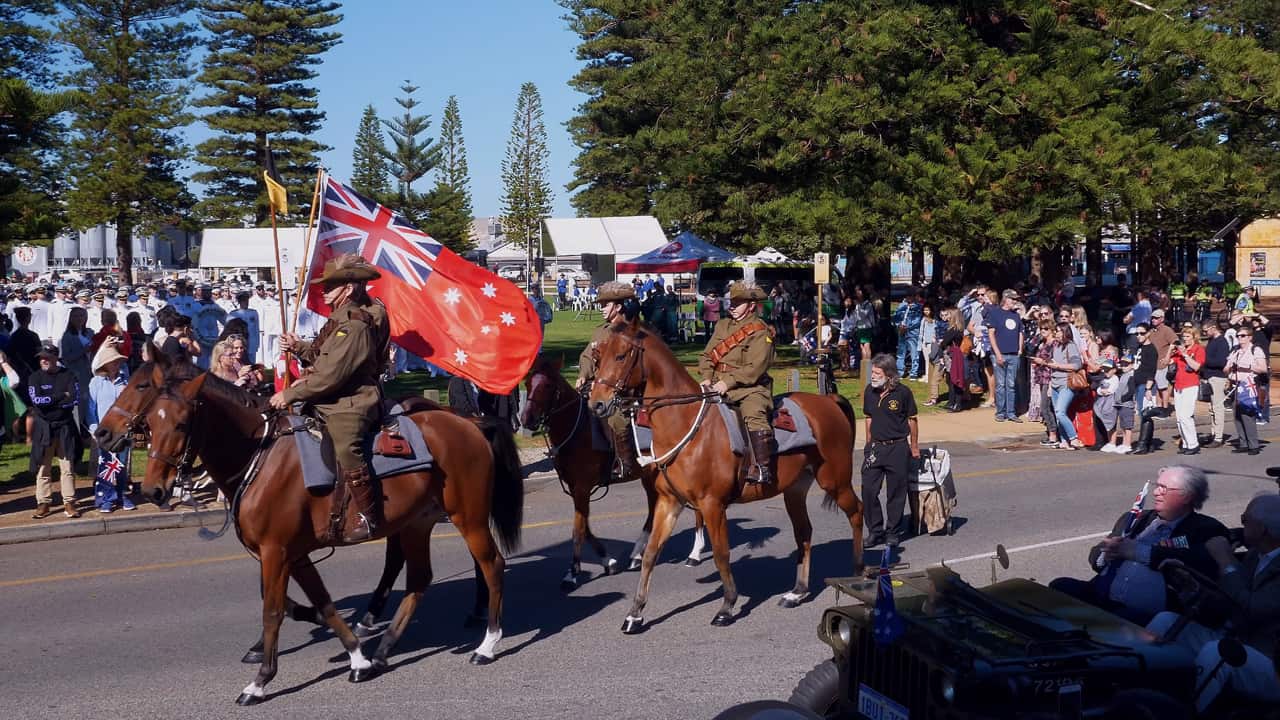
(30, 209)
(368, 161)
(126, 152)
(261, 60)
(26, 50)
(526, 197)
(411, 155)
(449, 219)
(986, 129)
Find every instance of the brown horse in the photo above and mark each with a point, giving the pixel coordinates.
(582, 468)
(475, 479)
(699, 470)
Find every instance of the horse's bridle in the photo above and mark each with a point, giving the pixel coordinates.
(632, 361)
(545, 415)
(183, 464)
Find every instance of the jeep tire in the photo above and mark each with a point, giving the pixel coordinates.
(819, 690)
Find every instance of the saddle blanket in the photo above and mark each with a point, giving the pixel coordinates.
(802, 437)
(317, 461)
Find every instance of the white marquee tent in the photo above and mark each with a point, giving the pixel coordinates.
(228, 248)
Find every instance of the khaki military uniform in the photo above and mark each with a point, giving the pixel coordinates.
(346, 360)
(744, 368)
(587, 363)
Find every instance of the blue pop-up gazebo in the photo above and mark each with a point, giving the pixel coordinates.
(684, 254)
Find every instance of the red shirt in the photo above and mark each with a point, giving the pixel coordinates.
(1186, 377)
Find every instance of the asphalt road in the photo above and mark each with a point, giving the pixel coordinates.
(153, 624)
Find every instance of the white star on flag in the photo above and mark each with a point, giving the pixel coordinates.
(452, 296)
(485, 329)
(508, 318)
(460, 356)
(489, 290)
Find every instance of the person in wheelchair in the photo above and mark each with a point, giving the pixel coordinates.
(1128, 582)
(1250, 586)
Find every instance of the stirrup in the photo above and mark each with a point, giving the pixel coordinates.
(362, 530)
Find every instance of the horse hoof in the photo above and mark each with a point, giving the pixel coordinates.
(253, 657)
(475, 620)
(635, 564)
(612, 567)
(632, 626)
(362, 674)
(246, 700)
(722, 619)
(568, 586)
(363, 631)
(692, 562)
(478, 659)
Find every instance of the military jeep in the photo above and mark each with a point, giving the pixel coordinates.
(1014, 649)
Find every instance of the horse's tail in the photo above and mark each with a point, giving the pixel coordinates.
(829, 500)
(507, 512)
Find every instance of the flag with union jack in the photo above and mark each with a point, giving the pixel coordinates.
(447, 311)
(886, 624)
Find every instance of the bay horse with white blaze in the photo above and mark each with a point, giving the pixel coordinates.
(553, 402)
(475, 479)
(636, 369)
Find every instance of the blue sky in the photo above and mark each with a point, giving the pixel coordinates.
(481, 51)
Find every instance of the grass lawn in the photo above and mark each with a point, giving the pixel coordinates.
(566, 337)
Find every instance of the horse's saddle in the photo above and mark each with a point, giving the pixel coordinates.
(315, 449)
(790, 427)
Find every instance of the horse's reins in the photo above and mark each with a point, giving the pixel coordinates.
(635, 359)
(544, 419)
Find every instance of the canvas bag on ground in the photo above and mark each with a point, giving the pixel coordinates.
(933, 494)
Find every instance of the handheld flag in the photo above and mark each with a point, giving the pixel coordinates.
(1107, 576)
(447, 311)
(886, 627)
(275, 186)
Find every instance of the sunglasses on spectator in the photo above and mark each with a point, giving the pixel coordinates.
(1141, 334)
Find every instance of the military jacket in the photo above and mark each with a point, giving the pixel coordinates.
(346, 360)
(746, 363)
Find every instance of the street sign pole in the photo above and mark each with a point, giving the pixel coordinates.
(821, 275)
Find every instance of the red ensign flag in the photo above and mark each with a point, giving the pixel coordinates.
(445, 310)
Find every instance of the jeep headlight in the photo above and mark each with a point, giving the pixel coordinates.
(841, 630)
(947, 689)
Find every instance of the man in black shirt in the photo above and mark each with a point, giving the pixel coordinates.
(893, 440)
(1215, 358)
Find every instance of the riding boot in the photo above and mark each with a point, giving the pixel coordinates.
(1145, 431)
(763, 447)
(627, 467)
(364, 495)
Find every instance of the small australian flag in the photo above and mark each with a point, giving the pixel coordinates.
(886, 625)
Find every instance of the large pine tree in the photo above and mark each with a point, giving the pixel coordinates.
(261, 59)
(411, 155)
(129, 63)
(526, 196)
(449, 219)
(368, 158)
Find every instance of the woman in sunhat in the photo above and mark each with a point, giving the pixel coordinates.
(110, 375)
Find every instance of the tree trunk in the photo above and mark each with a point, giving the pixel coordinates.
(1190, 257)
(917, 263)
(1093, 259)
(1229, 255)
(124, 251)
(954, 270)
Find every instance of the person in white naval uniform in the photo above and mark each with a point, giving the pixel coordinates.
(146, 312)
(251, 320)
(269, 316)
(56, 317)
(95, 308)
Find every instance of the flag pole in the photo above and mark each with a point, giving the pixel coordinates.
(306, 250)
(275, 236)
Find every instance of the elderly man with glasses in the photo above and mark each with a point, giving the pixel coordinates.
(1128, 582)
(1253, 584)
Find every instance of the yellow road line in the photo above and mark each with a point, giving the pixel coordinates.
(243, 556)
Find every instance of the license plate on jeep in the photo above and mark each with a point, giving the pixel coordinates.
(875, 706)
